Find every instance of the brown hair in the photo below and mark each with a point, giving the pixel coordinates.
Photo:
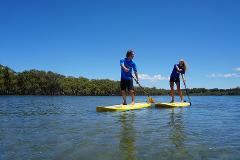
(184, 64)
(129, 53)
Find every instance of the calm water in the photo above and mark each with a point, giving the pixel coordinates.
(38, 127)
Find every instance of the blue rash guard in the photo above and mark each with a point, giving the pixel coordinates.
(175, 73)
(130, 65)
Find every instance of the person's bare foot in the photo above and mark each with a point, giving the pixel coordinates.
(133, 103)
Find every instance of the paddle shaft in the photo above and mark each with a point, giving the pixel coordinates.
(186, 91)
(140, 86)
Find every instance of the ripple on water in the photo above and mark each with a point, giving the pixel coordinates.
(68, 127)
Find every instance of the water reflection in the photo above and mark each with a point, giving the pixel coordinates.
(177, 134)
(127, 136)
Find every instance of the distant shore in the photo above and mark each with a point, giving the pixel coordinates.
(35, 82)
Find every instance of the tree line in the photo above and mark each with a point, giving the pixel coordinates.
(35, 82)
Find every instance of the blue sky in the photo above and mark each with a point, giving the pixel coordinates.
(88, 38)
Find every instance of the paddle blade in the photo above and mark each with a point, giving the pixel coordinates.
(150, 100)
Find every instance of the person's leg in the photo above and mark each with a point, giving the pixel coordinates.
(131, 90)
(123, 89)
(172, 90)
(133, 96)
(179, 91)
(124, 97)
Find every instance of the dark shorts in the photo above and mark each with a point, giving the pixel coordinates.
(126, 85)
(174, 79)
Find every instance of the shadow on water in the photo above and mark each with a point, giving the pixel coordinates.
(127, 136)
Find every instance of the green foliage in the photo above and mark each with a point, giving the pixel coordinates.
(8, 82)
(34, 82)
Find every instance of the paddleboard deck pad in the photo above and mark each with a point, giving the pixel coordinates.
(121, 107)
(172, 105)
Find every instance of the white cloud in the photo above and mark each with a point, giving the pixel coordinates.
(238, 69)
(230, 75)
(213, 75)
(227, 75)
(157, 77)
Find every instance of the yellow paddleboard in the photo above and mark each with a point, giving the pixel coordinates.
(172, 105)
(121, 107)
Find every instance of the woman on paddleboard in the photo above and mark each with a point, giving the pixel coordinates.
(175, 78)
(127, 65)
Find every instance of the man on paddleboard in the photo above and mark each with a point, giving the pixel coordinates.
(127, 65)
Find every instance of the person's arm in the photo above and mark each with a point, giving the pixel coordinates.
(136, 75)
(182, 71)
(123, 66)
(178, 69)
(135, 71)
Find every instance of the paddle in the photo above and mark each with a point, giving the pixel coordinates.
(186, 90)
(150, 99)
